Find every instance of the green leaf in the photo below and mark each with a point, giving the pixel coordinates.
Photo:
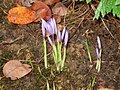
(110, 5)
(116, 11)
(80, 0)
(107, 6)
(88, 1)
(117, 2)
(97, 12)
(103, 12)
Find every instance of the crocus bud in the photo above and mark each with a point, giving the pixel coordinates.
(66, 38)
(63, 32)
(43, 27)
(55, 26)
(98, 53)
(59, 36)
(99, 42)
(50, 26)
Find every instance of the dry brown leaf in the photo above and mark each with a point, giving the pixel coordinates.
(51, 2)
(59, 9)
(60, 27)
(57, 18)
(26, 3)
(15, 69)
(42, 10)
(21, 15)
(105, 89)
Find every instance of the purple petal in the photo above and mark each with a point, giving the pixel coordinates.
(52, 28)
(59, 36)
(63, 32)
(99, 42)
(49, 21)
(51, 25)
(50, 41)
(98, 54)
(44, 23)
(66, 38)
(48, 26)
(49, 29)
(43, 27)
(55, 26)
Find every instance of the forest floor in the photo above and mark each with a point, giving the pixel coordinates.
(24, 43)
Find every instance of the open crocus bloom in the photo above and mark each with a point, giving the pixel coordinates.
(64, 38)
(61, 37)
(51, 27)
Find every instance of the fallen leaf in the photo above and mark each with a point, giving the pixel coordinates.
(60, 27)
(42, 10)
(21, 15)
(105, 89)
(57, 18)
(15, 69)
(59, 9)
(18, 1)
(26, 3)
(51, 2)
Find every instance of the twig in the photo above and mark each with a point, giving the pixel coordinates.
(6, 42)
(3, 10)
(109, 30)
(77, 28)
(83, 13)
(35, 61)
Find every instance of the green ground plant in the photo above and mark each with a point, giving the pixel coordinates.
(106, 6)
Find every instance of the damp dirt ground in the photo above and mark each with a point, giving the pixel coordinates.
(24, 43)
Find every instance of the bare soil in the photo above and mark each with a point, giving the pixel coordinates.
(24, 43)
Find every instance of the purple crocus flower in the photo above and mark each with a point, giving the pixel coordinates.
(99, 42)
(63, 32)
(98, 53)
(59, 36)
(55, 26)
(66, 38)
(43, 27)
(49, 26)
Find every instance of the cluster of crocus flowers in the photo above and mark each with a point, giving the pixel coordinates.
(98, 52)
(58, 40)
